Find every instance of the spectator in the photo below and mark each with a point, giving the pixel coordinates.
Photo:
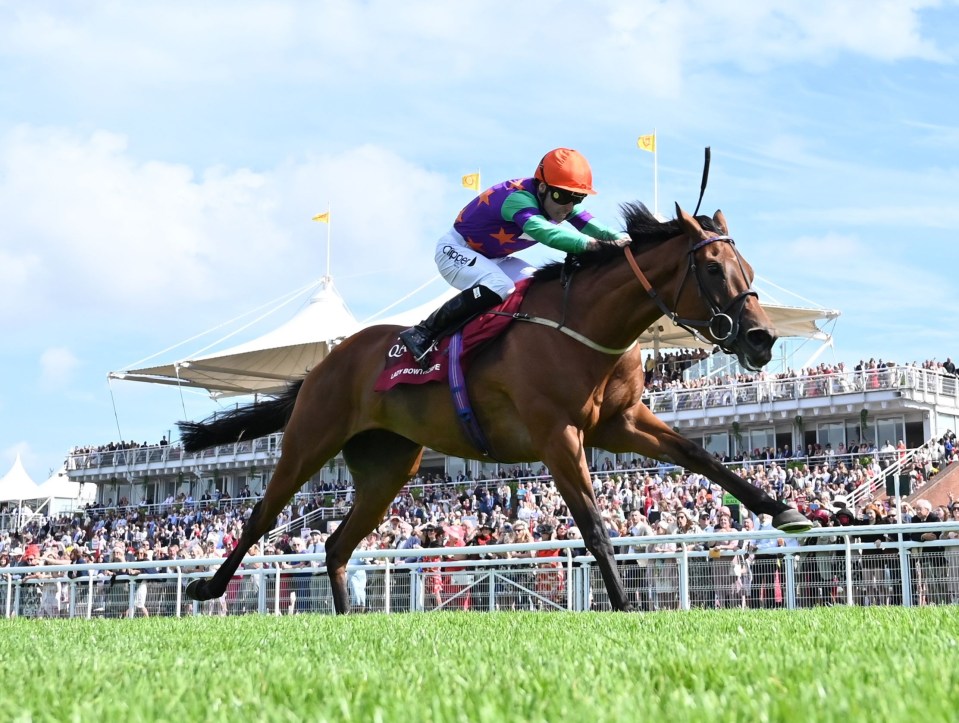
(721, 561)
(928, 583)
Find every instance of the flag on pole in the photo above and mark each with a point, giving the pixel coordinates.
(324, 217)
(647, 143)
(471, 181)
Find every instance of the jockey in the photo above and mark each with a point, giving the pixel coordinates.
(476, 254)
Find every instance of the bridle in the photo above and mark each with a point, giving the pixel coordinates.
(724, 323)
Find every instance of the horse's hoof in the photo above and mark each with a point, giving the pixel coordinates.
(194, 591)
(791, 521)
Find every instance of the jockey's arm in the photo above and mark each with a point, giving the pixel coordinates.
(521, 208)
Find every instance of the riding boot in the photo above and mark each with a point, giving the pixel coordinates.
(446, 319)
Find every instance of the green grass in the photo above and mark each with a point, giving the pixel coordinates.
(836, 664)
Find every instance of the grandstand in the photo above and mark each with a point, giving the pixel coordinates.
(825, 412)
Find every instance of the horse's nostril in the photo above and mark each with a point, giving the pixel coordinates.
(760, 339)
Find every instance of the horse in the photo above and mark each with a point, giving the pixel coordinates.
(539, 395)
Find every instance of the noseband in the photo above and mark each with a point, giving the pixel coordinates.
(724, 323)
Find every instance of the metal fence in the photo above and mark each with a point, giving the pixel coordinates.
(827, 566)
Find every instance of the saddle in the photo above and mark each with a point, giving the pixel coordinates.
(402, 369)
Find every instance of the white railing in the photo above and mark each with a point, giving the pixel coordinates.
(906, 379)
(903, 459)
(826, 565)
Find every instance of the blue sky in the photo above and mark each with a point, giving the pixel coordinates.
(160, 162)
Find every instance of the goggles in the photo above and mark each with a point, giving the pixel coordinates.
(563, 197)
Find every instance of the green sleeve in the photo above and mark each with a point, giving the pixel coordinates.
(597, 230)
(538, 228)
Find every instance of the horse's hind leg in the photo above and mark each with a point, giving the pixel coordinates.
(381, 462)
(302, 454)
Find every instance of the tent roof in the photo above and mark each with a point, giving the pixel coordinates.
(60, 486)
(789, 321)
(18, 485)
(265, 364)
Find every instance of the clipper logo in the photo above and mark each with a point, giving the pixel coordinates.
(454, 255)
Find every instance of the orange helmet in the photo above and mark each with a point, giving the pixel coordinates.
(566, 168)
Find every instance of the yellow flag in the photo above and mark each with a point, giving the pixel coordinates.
(471, 181)
(324, 217)
(647, 143)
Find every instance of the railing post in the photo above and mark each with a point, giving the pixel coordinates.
(684, 579)
(71, 597)
(91, 585)
(131, 599)
(416, 601)
(850, 599)
(905, 575)
(179, 592)
(789, 566)
(276, 593)
(261, 591)
(386, 585)
(587, 569)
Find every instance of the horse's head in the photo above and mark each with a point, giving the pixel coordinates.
(725, 300)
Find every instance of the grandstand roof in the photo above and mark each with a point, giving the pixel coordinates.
(265, 364)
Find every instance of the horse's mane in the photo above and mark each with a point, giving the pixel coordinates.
(645, 230)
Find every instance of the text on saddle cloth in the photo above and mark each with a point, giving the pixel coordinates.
(401, 369)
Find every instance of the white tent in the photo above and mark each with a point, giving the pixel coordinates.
(264, 364)
(60, 486)
(18, 485)
(64, 495)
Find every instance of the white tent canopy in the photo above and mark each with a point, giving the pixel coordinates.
(265, 364)
(18, 485)
(789, 321)
(59, 486)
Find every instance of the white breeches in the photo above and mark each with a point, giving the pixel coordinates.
(464, 268)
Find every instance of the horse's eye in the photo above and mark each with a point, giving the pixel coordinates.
(714, 269)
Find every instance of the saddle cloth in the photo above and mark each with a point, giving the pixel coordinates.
(401, 369)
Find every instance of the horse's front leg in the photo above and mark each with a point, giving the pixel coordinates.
(564, 455)
(639, 431)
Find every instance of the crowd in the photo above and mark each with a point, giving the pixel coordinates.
(116, 446)
(640, 501)
(666, 373)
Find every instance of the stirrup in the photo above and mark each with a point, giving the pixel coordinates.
(418, 344)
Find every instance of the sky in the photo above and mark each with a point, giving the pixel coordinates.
(160, 163)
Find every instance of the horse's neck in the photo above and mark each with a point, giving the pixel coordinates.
(609, 305)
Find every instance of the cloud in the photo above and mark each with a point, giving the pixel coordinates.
(333, 43)
(88, 226)
(57, 365)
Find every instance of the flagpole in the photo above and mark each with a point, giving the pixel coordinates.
(329, 241)
(655, 175)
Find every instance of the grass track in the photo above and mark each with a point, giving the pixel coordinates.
(835, 664)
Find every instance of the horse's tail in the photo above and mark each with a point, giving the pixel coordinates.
(248, 422)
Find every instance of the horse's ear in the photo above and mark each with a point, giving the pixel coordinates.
(690, 225)
(720, 222)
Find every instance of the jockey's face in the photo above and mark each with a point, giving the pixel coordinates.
(553, 209)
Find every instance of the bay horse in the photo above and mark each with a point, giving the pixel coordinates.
(539, 395)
